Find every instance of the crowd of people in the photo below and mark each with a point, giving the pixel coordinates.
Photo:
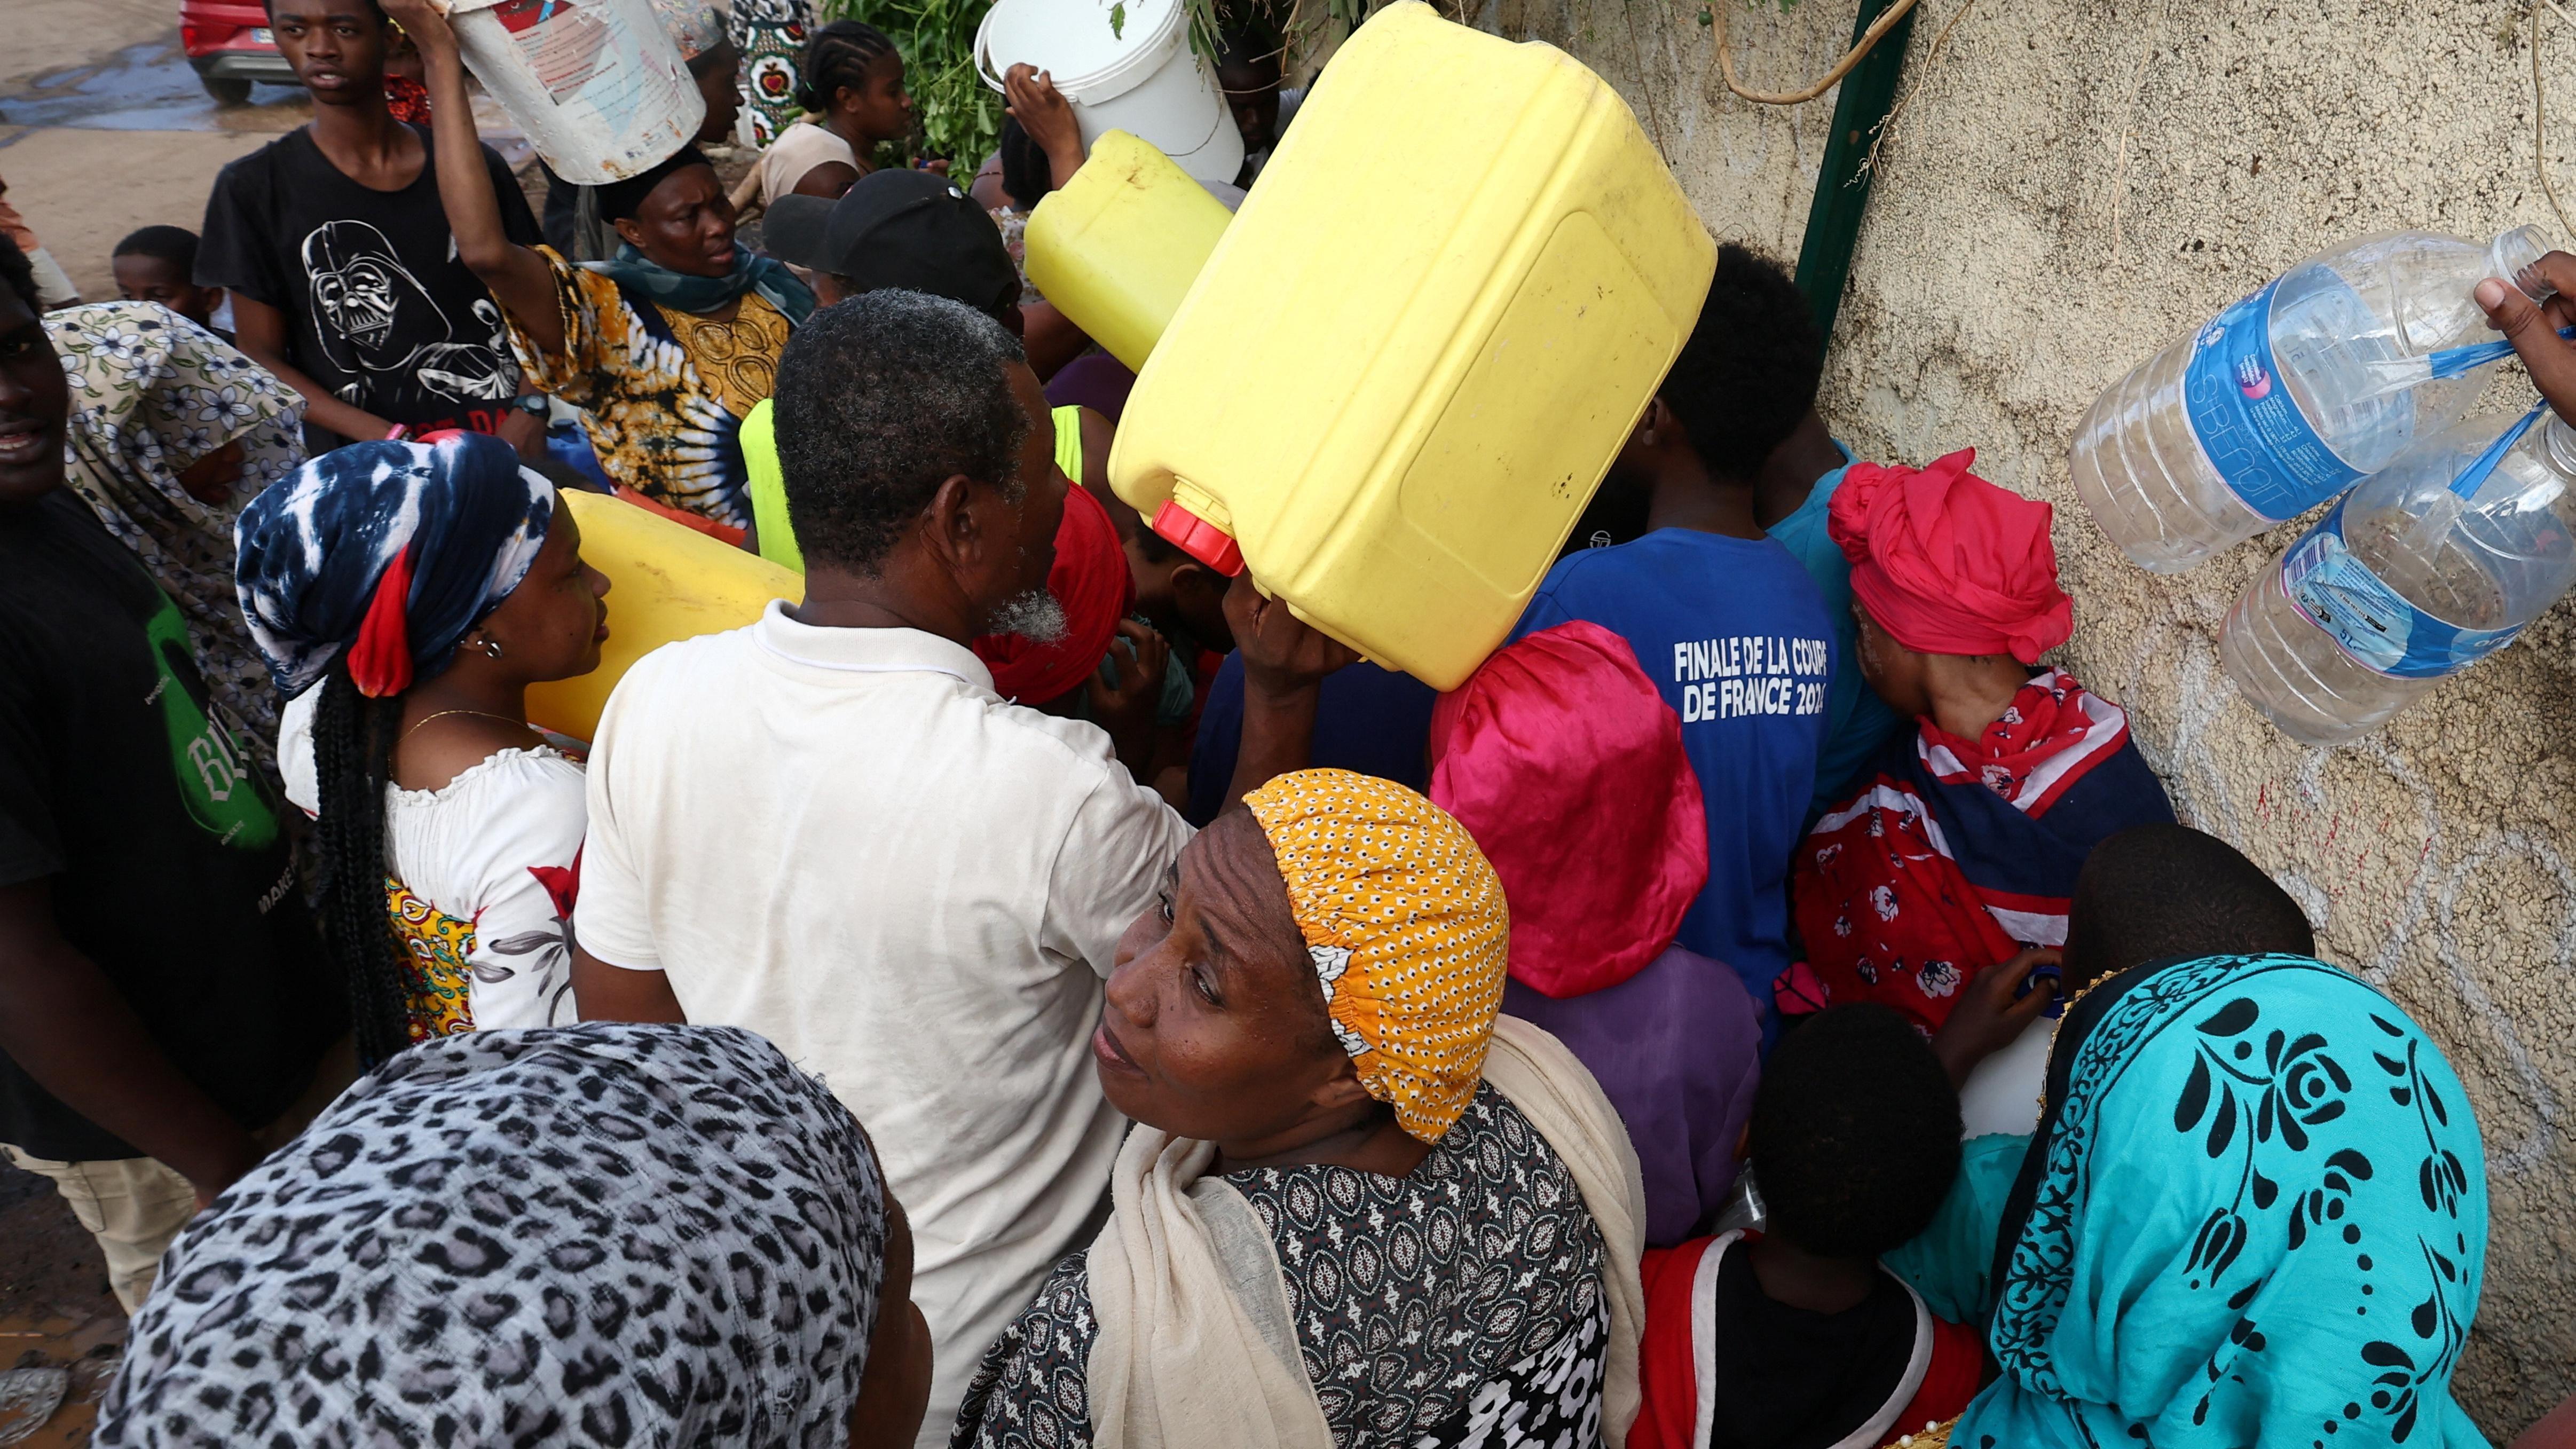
(1036, 991)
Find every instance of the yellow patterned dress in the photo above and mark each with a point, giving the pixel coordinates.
(436, 980)
(663, 392)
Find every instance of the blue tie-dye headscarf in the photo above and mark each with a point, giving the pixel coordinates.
(2255, 1217)
(391, 551)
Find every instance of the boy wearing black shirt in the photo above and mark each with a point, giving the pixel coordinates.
(164, 997)
(345, 281)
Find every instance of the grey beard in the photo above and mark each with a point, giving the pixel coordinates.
(1036, 616)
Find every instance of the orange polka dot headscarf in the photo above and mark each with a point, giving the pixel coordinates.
(1406, 925)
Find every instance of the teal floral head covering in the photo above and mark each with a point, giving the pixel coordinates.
(2255, 1214)
(151, 394)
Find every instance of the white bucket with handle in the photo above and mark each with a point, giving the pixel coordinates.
(597, 84)
(1126, 65)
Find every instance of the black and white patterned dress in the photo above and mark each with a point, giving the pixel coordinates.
(1458, 1307)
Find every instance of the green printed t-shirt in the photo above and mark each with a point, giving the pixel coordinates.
(777, 537)
(158, 842)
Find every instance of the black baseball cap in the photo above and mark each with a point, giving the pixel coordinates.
(908, 229)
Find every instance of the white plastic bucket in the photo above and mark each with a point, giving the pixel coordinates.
(597, 84)
(1139, 76)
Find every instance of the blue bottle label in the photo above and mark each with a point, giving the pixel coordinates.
(2256, 437)
(2372, 622)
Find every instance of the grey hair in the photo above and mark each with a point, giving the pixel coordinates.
(882, 398)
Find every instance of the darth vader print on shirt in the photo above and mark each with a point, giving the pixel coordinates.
(385, 332)
(380, 311)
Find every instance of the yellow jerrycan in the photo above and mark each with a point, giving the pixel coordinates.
(1420, 343)
(1117, 249)
(666, 583)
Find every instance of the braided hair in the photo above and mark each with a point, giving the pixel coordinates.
(353, 752)
(838, 56)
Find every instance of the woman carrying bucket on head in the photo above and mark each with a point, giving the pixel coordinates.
(665, 347)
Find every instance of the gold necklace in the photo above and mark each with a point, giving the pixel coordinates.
(444, 713)
(2063, 1012)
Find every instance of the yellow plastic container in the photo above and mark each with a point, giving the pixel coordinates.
(1420, 343)
(666, 583)
(1118, 248)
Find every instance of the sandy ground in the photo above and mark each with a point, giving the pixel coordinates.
(103, 127)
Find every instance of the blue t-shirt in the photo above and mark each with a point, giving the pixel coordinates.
(1371, 720)
(1857, 722)
(1733, 633)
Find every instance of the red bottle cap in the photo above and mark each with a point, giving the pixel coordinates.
(1199, 538)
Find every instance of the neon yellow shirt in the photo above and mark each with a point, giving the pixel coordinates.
(769, 490)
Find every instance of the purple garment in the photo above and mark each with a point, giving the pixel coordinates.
(1094, 380)
(1677, 1049)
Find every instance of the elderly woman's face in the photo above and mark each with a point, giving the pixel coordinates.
(1214, 1024)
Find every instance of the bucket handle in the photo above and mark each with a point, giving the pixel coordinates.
(984, 58)
(983, 48)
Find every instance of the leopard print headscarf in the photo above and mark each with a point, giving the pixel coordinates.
(603, 1234)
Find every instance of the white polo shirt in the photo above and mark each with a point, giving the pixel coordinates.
(844, 840)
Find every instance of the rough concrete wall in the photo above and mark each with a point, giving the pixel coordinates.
(2073, 184)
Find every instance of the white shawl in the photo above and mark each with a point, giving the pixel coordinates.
(1195, 1345)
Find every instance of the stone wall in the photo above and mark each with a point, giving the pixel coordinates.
(2071, 184)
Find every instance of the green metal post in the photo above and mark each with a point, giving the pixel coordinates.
(1842, 187)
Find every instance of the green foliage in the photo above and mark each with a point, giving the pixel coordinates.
(960, 117)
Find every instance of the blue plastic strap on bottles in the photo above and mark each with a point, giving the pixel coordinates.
(2373, 623)
(2263, 447)
(2453, 362)
(2474, 476)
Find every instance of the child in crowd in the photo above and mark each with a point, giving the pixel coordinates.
(1727, 624)
(1767, 382)
(1559, 756)
(2150, 893)
(159, 264)
(1959, 846)
(1796, 1338)
(345, 280)
(851, 86)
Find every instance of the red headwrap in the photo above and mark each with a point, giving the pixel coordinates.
(1948, 563)
(1090, 579)
(1563, 761)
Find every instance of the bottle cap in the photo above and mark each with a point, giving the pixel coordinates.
(1199, 538)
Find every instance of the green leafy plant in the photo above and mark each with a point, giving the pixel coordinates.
(959, 116)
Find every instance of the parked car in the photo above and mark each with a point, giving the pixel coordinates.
(229, 44)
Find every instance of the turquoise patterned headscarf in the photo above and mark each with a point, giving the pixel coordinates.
(2255, 1215)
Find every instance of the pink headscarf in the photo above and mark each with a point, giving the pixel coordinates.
(1563, 761)
(1948, 563)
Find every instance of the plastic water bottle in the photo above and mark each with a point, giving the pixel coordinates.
(2292, 395)
(2432, 564)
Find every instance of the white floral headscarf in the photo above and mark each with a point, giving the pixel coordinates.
(151, 393)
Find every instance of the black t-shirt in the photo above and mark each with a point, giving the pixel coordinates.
(379, 307)
(168, 863)
(1787, 1378)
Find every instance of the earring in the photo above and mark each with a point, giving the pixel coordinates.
(492, 648)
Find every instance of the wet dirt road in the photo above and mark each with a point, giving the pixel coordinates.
(104, 128)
